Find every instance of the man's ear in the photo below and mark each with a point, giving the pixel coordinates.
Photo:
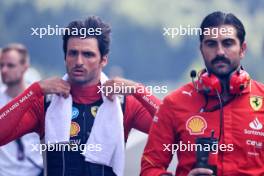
(104, 60)
(243, 50)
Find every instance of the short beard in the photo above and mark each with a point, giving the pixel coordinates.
(222, 75)
(79, 82)
(12, 83)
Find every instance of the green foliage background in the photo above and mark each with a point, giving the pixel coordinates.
(139, 50)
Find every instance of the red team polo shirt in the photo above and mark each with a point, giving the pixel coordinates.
(179, 120)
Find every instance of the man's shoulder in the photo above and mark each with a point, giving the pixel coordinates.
(257, 87)
(184, 92)
(2, 95)
(4, 99)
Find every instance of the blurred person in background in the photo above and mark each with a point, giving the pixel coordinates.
(222, 111)
(17, 157)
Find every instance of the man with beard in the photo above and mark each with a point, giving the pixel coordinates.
(223, 109)
(85, 132)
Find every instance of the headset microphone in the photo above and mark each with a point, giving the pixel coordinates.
(193, 75)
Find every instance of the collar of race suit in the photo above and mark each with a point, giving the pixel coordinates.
(85, 94)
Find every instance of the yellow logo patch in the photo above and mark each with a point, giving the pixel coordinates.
(256, 102)
(196, 125)
(75, 129)
(94, 110)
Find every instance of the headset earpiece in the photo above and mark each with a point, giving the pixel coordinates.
(238, 81)
(209, 84)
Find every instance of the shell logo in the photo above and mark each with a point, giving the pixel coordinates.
(75, 129)
(196, 125)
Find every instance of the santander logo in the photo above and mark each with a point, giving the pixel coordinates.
(255, 124)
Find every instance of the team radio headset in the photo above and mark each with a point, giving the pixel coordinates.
(209, 85)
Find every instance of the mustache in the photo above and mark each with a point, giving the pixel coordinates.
(220, 58)
(77, 67)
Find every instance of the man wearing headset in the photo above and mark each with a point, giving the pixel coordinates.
(223, 109)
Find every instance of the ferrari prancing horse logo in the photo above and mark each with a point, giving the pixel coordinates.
(256, 102)
(94, 110)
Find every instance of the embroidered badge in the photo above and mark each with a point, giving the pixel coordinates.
(196, 125)
(75, 112)
(256, 124)
(94, 110)
(75, 129)
(256, 102)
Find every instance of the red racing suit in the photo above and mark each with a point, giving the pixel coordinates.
(25, 113)
(180, 120)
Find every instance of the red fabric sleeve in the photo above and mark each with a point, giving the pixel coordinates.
(22, 115)
(156, 159)
(149, 101)
(140, 110)
(136, 116)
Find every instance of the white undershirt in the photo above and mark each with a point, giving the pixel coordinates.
(9, 164)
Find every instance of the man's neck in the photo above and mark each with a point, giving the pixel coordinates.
(14, 90)
(86, 84)
(85, 95)
(225, 85)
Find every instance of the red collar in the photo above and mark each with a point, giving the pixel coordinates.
(85, 94)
